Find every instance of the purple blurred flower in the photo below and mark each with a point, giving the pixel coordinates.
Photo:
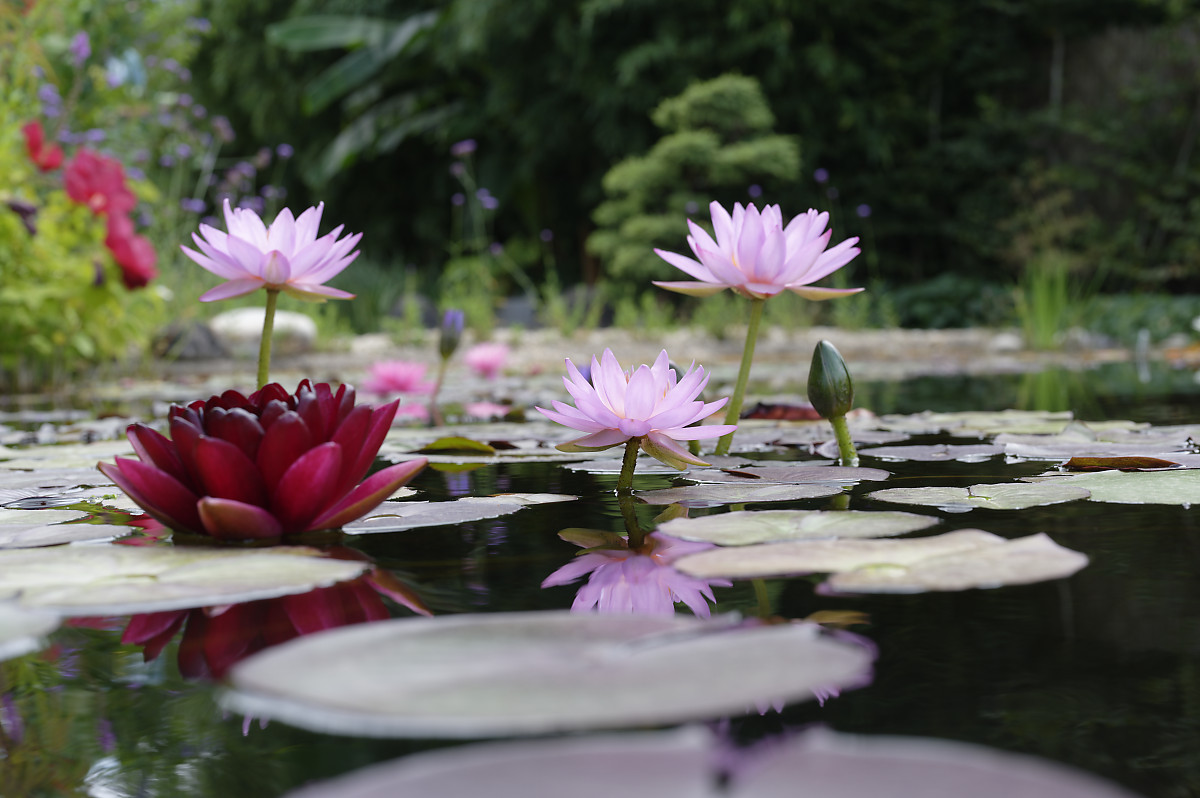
(48, 94)
(81, 48)
(183, 150)
(450, 333)
(821, 175)
(457, 198)
(252, 203)
(285, 151)
(185, 100)
(192, 205)
(462, 148)
(496, 248)
(546, 235)
(166, 160)
(141, 156)
(224, 129)
(10, 718)
(863, 211)
(755, 191)
(489, 202)
(643, 581)
(94, 135)
(691, 207)
(199, 24)
(269, 191)
(199, 111)
(458, 168)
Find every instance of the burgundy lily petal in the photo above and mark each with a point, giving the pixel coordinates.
(381, 422)
(153, 630)
(316, 610)
(282, 444)
(228, 519)
(276, 626)
(271, 411)
(272, 392)
(309, 408)
(241, 428)
(329, 407)
(227, 473)
(173, 503)
(232, 635)
(155, 448)
(232, 399)
(369, 606)
(369, 495)
(350, 436)
(345, 401)
(306, 487)
(185, 434)
(385, 582)
(191, 647)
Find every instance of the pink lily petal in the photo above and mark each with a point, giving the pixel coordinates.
(818, 294)
(692, 289)
(231, 289)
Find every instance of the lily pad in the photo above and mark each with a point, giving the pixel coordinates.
(1178, 486)
(398, 516)
(456, 444)
(119, 580)
(537, 672)
(937, 453)
(751, 475)
(22, 629)
(76, 455)
(1082, 440)
(683, 763)
(961, 560)
(717, 493)
(1002, 496)
(765, 526)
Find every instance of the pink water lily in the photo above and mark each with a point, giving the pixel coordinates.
(261, 466)
(651, 404)
(287, 256)
(758, 257)
(397, 376)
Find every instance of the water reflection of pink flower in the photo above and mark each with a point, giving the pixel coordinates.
(486, 359)
(641, 581)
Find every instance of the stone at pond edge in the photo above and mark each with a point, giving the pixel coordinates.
(538, 672)
(239, 331)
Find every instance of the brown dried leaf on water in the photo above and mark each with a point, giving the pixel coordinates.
(839, 475)
(1118, 464)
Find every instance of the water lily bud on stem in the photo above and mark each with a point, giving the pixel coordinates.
(831, 392)
(451, 333)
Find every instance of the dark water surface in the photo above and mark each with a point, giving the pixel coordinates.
(1101, 671)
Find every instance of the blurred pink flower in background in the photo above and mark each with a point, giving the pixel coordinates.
(287, 256)
(643, 581)
(397, 376)
(486, 359)
(412, 412)
(485, 410)
(756, 256)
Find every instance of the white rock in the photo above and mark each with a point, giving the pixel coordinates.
(240, 332)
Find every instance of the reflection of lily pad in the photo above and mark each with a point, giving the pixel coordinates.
(397, 516)
(764, 526)
(716, 493)
(1145, 487)
(116, 580)
(964, 453)
(1003, 496)
(684, 763)
(758, 475)
(537, 672)
(967, 558)
(21, 629)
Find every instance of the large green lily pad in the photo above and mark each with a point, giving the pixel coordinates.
(721, 493)
(1001, 496)
(937, 453)
(1178, 486)
(118, 580)
(686, 763)
(749, 475)
(746, 527)
(537, 672)
(398, 516)
(22, 629)
(75, 455)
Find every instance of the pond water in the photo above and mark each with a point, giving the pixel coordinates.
(1100, 671)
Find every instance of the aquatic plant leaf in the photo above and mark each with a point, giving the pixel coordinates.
(745, 527)
(50, 481)
(936, 453)
(1118, 464)
(398, 516)
(22, 629)
(1081, 441)
(30, 528)
(683, 763)
(538, 672)
(456, 444)
(1001, 496)
(723, 493)
(74, 455)
(1177, 486)
(118, 580)
(758, 475)
(975, 423)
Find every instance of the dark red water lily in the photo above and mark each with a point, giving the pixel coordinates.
(264, 465)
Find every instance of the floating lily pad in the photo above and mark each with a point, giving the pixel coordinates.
(764, 526)
(717, 493)
(975, 423)
(1084, 440)
(751, 475)
(937, 453)
(1180, 486)
(1002, 496)
(398, 516)
(1118, 464)
(76, 455)
(21, 629)
(28, 536)
(49, 479)
(684, 763)
(537, 672)
(118, 580)
(456, 444)
(961, 560)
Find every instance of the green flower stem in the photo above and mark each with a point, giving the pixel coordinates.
(264, 346)
(849, 456)
(636, 535)
(625, 480)
(435, 415)
(734, 411)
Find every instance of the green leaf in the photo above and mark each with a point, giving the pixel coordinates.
(1003, 496)
(305, 34)
(749, 526)
(457, 444)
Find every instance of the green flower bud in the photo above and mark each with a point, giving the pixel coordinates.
(830, 388)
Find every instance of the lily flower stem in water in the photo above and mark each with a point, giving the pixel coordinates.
(636, 535)
(268, 331)
(761, 598)
(435, 415)
(849, 456)
(734, 410)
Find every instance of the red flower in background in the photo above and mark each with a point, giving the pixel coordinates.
(46, 158)
(98, 182)
(133, 253)
(261, 466)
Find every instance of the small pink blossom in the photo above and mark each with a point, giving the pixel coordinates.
(397, 376)
(486, 410)
(486, 359)
(412, 412)
(756, 256)
(650, 403)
